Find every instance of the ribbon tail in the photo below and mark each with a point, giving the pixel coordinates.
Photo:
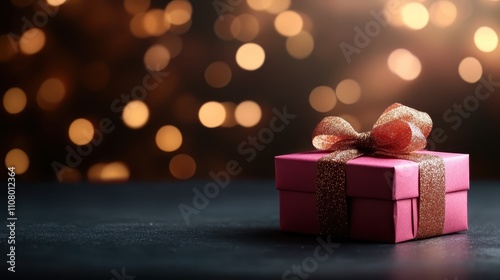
(331, 192)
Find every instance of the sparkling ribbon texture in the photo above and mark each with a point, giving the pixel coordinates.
(398, 132)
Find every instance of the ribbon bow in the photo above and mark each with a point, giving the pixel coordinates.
(398, 132)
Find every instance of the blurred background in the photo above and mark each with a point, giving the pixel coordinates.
(108, 91)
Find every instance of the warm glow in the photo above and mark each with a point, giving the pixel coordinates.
(108, 172)
(154, 22)
(470, 70)
(415, 15)
(32, 41)
(212, 114)
(230, 119)
(259, 5)
(322, 99)
(182, 166)
(14, 100)
(135, 114)
(81, 131)
(443, 13)
(222, 27)
(248, 113)
(136, 6)
(486, 39)
(300, 46)
(168, 138)
(218, 74)
(173, 43)
(404, 64)
(137, 26)
(156, 57)
(250, 56)
(50, 94)
(245, 27)
(56, 3)
(278, 6)
(288, 23)
(19, 159)
(178, 12)
(348, 91)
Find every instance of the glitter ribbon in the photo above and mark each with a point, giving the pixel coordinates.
(398, 132)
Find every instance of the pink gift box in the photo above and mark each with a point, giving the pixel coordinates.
(382, 195)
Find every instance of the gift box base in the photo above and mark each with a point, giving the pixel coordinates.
(389, 221)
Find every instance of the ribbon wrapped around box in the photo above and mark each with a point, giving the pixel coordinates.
(377, 185)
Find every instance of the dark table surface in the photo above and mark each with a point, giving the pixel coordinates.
(135, 231)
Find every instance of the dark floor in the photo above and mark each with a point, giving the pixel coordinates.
(121, 231)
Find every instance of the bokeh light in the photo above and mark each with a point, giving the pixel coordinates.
(212, 114)
(288, 23)
(486, 39)
(32, 41)
(348, 91)
(415, 15)
(222, 27)
(178, 12)
(300, 46)
(218, 74)
(136, 6)
(404, 64)
(250, 56)
(156, 57)
(56, 3)
(51, 93)
(470, 70)
(135, 114)
(173, 43)
(168, 138)
(182, 166)
(443, 13)
(137, 26)
(259, 5)
(14, 100)
(154, 22)
(81, 131)
(248, 113)
(19, 159)
(108, 172)
(245, 27)
(322, 99)
(278, 6)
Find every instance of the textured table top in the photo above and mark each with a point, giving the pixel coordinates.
(136, 231)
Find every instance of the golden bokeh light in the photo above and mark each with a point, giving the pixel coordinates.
(56, 3)
(95, 75)
(443, 13)
(168, 138)
(218, 74)
(137, 26)
(230, 120)
(415, 15)
(470, 70)
(212, 114)
(14, 100)
(154, 22)
(108, 172)
(259, 5)
(248, 113)
(19, 159)
(81, 131)
(404, 64)
(222, 27)
(156, 57)
(50, 94)
(486, 39)
(348, 91)
(32, 41)
(136, 6)
(288, 23)
(250, 56)
(300, 46)
(178, 12)
(182, 166)
(278, 6)
(245, 27)
(135, 114)
(7, 48)
(353, 121)
(322, 99)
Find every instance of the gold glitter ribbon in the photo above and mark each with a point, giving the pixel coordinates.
(398, 132)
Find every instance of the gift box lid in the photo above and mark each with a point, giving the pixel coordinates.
(368, 176)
